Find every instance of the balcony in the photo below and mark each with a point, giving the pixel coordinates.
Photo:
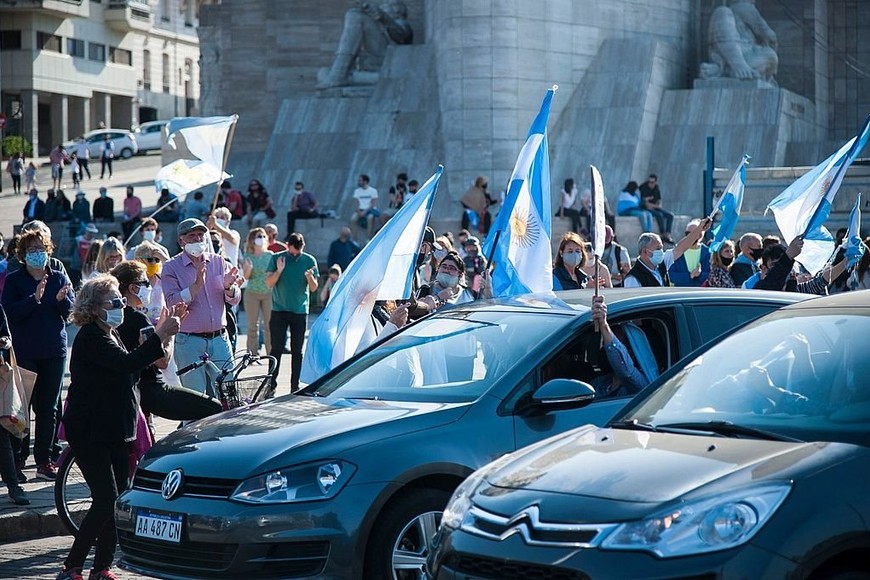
(62, 8)
(128, 15)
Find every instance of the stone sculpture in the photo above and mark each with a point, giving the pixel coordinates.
(742, 45)
(368, 31)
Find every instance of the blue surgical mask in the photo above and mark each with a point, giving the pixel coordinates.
(446, 280)
(114, 317)
(658, 256)
(572, 259)
(36, 260)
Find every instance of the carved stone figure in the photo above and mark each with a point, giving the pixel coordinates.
(742, 45)
(209, 70)
(368, 31)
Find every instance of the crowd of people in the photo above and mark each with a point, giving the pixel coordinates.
(143, 312)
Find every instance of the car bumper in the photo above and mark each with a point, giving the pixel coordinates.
(224, 539)
(462, 556)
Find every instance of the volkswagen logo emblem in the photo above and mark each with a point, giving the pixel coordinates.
(171, 484)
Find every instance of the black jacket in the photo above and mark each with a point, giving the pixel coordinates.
(646, 279)
(103, 399)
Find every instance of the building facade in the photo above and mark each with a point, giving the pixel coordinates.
(70, 66)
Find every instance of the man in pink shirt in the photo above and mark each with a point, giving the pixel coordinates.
(57, 157)
(132, 213)
(206, 283)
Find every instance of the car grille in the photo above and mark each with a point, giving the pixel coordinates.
(489, 568)
(279, 560)
(184, 556)
(534, 532)
(208, 487)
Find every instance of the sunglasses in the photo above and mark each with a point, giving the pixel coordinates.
(117, 303)
(151, 260)
(145, 283)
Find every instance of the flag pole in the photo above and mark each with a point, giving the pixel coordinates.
(224, 162)
(151, 215)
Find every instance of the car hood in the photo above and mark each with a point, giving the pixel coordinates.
(633, 466)
(290, 430)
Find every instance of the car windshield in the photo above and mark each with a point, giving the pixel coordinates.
(802, 375)
(452, 357)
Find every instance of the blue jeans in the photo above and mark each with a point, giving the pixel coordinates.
(643, 215)
(189, 348)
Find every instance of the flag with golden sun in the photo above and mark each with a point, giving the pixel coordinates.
(519, 241)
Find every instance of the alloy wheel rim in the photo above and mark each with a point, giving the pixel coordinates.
(413, 546)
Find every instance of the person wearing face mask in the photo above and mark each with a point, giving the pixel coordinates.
(132, 213)
(343, 250)
(104, 207)
(303, 207)
(475, 262)
(37, 299)
(333, 276)
(230, 239)
(258, 296)
(720, 267)
(205, 282)
(149, 232)
(692, 268)
(450, 284)
(102, 412)
(567, 274)
(746, 263)
(34, 209)
(152, 256)
(292, 276)
(651, 267)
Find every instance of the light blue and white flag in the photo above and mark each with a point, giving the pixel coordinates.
(519, 241)
(383, 270)
(729, 204)
(185, 175)
(852, 243)
(205, 137)
(804, 206)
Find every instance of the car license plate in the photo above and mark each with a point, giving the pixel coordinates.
(164, 526)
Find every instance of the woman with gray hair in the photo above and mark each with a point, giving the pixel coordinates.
(102, 411)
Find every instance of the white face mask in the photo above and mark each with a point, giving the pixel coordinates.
(260, 242)
(114, 317)
(195, 249)
(149, 235)
(446, 280)
(144, 294)
(221, 223)
(439, 254)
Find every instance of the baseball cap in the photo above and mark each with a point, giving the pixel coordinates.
(189, 225)
(92, 229)
(429, 236)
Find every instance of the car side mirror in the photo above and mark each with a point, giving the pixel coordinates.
(557, 394)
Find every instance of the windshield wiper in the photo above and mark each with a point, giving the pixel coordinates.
(727, 429)
(633, 425)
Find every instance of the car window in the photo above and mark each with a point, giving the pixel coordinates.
(801, 375)
(448, 358)
(715, 320)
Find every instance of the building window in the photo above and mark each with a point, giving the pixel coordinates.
(10, 40)
(97, 52)
(164, 10)
(46, 41)
(75, 47)
(146, 69)
(120, 56)
(166, 73)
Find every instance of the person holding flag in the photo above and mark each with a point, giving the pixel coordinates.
(653, 262)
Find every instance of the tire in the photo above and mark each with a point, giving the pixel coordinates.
(126, 153)
(398, 539)
(72, 496)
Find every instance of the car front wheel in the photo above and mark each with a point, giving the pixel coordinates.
(402, 537)
(126, 153)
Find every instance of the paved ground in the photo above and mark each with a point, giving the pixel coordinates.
(41, 559)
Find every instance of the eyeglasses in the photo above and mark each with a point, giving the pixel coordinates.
(35, 250)
(449, 269)
(117, 302)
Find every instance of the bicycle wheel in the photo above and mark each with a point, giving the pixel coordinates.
(72, 495)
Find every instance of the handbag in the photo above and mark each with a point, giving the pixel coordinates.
(16, 388)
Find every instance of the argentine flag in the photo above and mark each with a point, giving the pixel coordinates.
(729, 204)
(383, 270)
(852, 243)
(804, 206)
(205, 137)
(519, 241)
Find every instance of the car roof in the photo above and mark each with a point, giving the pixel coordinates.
(855, 299)
(579, 301)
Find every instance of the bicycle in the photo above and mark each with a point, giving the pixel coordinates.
(235, 387)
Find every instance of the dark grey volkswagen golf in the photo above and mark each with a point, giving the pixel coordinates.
(349, 478)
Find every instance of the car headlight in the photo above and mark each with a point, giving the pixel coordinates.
(307, 482)
(710, 524)
(460, 502)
